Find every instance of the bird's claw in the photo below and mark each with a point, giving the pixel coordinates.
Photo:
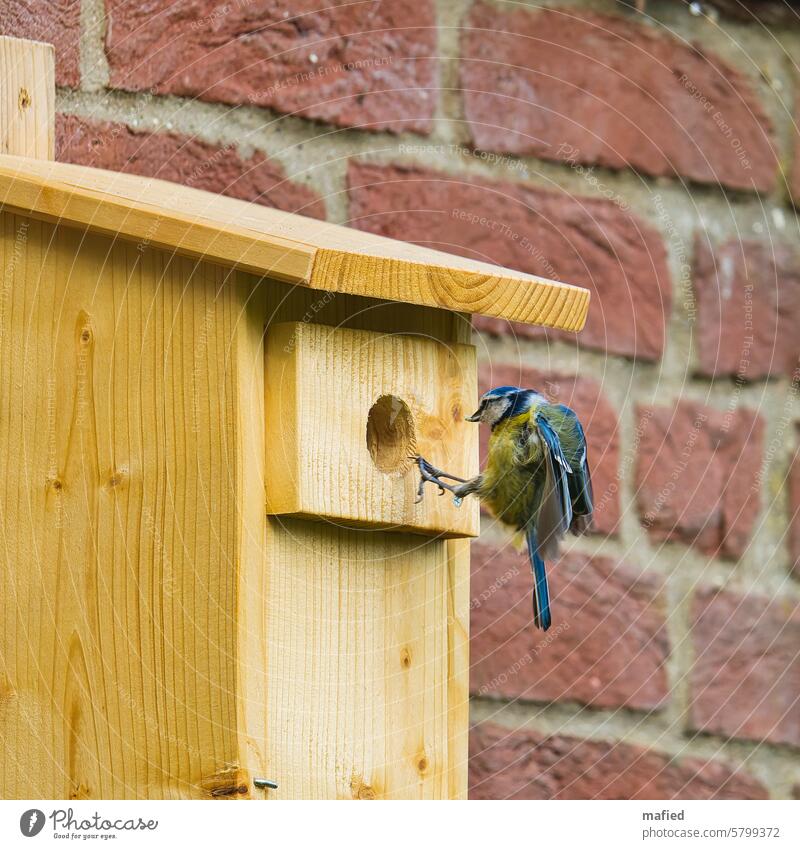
(427, 474)
(430, 474)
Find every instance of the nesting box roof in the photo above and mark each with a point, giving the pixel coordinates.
(281, 245)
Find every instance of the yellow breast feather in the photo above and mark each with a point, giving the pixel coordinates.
(509, 479)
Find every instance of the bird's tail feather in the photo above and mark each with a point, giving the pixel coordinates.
(541, 591)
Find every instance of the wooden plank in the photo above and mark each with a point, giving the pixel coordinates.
(119, 521)
(251, 564)
(458, 609)
(27, 98)
(146, 222)
(345, 411)
(358, 664)
(284, 246)
(442, 282)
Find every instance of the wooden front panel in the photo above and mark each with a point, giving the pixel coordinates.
(118, 519)
(354, 642)
(358, 666)
(345, 411)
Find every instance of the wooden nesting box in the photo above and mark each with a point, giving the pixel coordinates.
(213, 568)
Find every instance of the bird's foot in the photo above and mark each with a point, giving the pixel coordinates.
(430, 474)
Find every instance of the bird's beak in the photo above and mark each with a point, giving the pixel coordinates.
(475, 417)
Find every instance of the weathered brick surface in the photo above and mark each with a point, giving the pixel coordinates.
(181, 159)
(566, 84)
(368, 65)
(697, 475)
(745, 680)
(607, 646)
(599, 421)
(589, 242)
(54, 21)
(527, 765)
(581, 89)
(748, 302)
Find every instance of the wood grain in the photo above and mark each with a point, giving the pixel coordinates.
(119, 522)
(329, 698)
(102, 207)
(458, 608)
(321, 384)
(445, 282)
(27, 98)
(281, 245)
(358, 663)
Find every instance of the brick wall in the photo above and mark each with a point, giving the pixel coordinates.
(650, 157)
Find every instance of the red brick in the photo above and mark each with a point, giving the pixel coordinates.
(565, 84)
(182, 159)
(745, 681)
(793, 485)
(375, 67)
(599, 421)
(55, 21)
(748, 304)
(698, 475)
(528, 765)
(607, 646)
(590, 242)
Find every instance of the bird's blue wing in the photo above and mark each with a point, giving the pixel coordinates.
(580, 481)
(555, 512)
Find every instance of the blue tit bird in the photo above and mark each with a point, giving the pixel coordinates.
(536, 478)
